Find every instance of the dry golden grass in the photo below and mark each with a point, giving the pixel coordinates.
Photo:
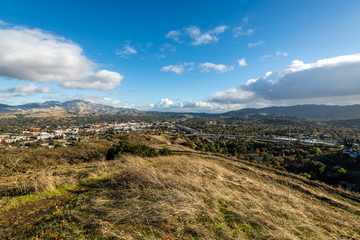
(185, 196)
(192, 197)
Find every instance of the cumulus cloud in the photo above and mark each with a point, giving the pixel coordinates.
(96, 99)
(126, 51)
(197, 36)
(191, 106)
(221, 68)
(200, 38)
(33, 54)
(29, 90)
(24, 90)
(178, 69)
(240, 31)
(255, 44)
(165, 103)
(334, 79)
(242, 62)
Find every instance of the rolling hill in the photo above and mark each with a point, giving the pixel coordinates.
(75, 193)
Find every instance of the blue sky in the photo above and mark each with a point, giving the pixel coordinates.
(200, 56)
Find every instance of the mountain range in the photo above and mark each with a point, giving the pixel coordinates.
(79, 107)
(310, 111)
(73, 107)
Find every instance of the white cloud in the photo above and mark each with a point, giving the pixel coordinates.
(101, 80)
(234, 95)
(191, 106)
(219, 29)
(204, 39)
(178, 69)
(24, 90)
(33, 54)
(2, 22)
(197, 36)
(174, 35)
(201, 38)
(242, 62)
(255, 44)
(96, 99)
(30, 90)
(208, 66)
(164, 103)
(239, 31)
(334, 79)
(277, 54)
(193, 31)
(127, 51)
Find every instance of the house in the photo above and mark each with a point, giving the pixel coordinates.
(19, 138)
(44, 135)
(58, 132)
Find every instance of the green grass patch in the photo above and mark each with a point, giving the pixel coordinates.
(7, 203)
(288, 216)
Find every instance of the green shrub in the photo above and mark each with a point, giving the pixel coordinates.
(124, 147)
(165, 152)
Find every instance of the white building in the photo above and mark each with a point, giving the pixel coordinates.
(44, 135)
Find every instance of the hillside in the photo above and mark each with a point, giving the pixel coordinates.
(305, 111)
(75, 193)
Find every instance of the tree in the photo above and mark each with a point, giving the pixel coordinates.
(266, 158)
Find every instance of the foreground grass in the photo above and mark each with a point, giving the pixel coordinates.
(178, 197)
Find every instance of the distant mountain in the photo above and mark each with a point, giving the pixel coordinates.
(4, 108)
(73, 107)
(310, 111)
(79, 107)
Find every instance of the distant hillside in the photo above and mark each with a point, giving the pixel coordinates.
(305, 111)
(79, 107)
(74, 107)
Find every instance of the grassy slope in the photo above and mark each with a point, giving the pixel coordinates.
(189, 195)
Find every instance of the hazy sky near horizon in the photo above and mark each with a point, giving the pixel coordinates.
(199, 56)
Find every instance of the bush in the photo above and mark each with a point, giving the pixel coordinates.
(165, 152)
(340, 172)
(127, 147)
